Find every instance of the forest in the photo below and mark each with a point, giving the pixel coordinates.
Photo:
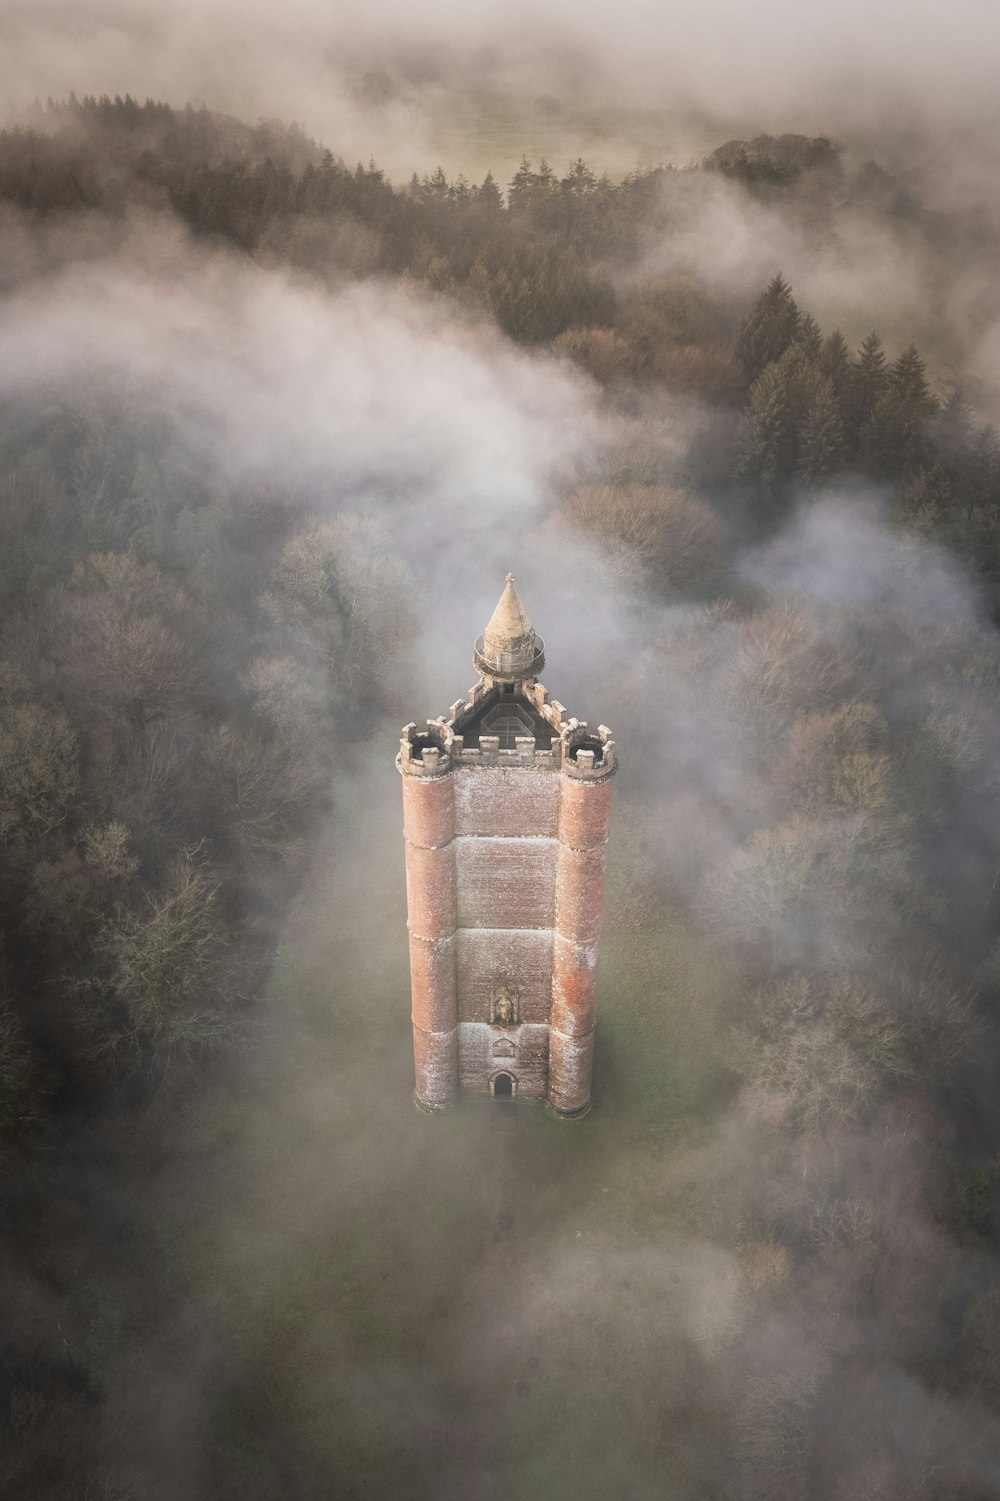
(271, 428)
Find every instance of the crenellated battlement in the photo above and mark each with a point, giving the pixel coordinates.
(585, 755)
(573, 748)
(425, 753)
(525, 754)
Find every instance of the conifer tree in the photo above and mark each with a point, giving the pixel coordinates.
(809, 338)
(519, 187)
(765, 437)
(908, 378)
(895, 436)
(866, 383)
(893, 439)
(772, 325)
(821, 438)
(954, 427)
(835, 363)
(488, 197)
(981, 476)
(580, 178)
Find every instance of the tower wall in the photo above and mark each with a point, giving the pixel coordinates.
(506, 856)
(506, 801)
(428, 829)
(584, 810)
(487, 957)
(506, 883)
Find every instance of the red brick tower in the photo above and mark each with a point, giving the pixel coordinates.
(505, 816)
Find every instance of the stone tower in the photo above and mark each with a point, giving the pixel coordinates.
(505, 817)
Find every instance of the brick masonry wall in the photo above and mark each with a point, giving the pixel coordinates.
(428, 810)
(571, 1068)
(505, 883)
(433, 982)
(483, 1054)
(435, 1058)
(491, 957)
(431, 890)
(499, 800)
(583, 830)
(428, 828)
(506, 822)
(505, 886)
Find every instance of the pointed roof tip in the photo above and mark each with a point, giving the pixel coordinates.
(509, 623)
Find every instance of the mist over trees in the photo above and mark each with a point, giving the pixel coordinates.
(766, 1268)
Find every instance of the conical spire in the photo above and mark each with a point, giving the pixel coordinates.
(509, 647)
(509, 624)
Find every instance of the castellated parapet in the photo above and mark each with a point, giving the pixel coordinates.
(505, 816)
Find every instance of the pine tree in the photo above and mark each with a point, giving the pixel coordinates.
(576, 203)
(772, 325)
(580, 179)
(866, 382)
(835, 363)
(531, 193)
(981, 479)
(908, 377)
(951, 439)
(821, 437)
(893, 439)
(765, 437)
(488, 197)
(809, 338)
(519, 188)
(436, 188)
(895, 436)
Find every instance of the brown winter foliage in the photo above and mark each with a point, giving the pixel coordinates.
(769, 1271)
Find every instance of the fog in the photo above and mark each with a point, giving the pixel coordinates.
(765, 1267)
(369, 393)
(658, 82)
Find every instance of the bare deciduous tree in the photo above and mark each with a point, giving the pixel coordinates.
(263, 790)
(668, 531)
(166, 968)
(39, 774)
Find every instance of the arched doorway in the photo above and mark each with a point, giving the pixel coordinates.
(503, 1087)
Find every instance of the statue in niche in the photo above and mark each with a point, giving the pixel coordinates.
(504, 1014)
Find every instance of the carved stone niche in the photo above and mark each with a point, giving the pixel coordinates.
(503, 1011)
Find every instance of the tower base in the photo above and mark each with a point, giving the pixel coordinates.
(568, 1115)
(426, 1109)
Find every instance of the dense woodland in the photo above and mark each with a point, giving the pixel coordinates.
(180, 659)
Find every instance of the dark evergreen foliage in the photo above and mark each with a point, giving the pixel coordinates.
(774, 323)
(812, 413)
(781, 160)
